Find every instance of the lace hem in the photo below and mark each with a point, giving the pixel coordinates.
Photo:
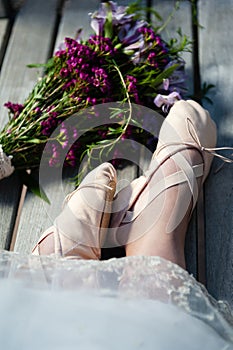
(132, 277)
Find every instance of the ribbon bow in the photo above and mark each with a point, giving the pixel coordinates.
(211, 150)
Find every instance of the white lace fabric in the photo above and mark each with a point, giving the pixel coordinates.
(6, 168)
(136, 278)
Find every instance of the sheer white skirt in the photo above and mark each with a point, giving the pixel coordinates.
(127, 303)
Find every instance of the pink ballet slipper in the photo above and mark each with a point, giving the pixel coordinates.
(187, 127)
(79, 231)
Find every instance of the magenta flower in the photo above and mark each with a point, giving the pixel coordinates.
(54, 158)
(71, 158)
(14, 108)
(132, 87)
(63, 137)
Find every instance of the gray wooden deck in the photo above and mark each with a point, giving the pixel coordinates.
(38, 27)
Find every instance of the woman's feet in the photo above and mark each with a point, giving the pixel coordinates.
(79, 231)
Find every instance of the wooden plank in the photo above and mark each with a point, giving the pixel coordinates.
(7, 212)
(126, 2)
(9, 197)
(16, 80)
(37, 215)
(7, 7)
(26, 47)
(215, 39)
(2, 9)
(4, 31)
(75, 17)
(3, 28)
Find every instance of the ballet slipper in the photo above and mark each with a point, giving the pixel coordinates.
(79, 231)
(187, 126)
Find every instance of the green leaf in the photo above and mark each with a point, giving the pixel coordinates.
(108, 29)
(103, 142)
(165, 74)
(37, 65)
(47, 65)
(37, 141)
(33, 185)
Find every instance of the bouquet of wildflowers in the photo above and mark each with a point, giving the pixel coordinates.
(125, 60)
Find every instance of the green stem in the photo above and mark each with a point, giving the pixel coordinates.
(112, 143)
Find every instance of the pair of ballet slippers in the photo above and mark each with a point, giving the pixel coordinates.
(80, 230)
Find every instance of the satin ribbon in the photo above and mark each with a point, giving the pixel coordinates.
(211, 150)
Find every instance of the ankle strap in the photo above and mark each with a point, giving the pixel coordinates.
(90, 185)
(187, 174)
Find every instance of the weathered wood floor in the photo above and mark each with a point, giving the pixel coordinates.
(32, 36)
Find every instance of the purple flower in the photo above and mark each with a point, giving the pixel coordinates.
(91, 100)
(64, 72)
(75, 134)
(132, 87)
(54, 155)
(14, 108)
(102, 44)
(97, 23)
(119, 16)
(166, 84)
(129, 33)
(38, 111)
(166, 102)
(71, 158)
(128, 133)
(177, 80)
(63, 136)
(48, 125)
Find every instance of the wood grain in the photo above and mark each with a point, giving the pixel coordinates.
(3, 29)
(216, 60)
(75, 16)
(7, 211)
(32, 23)
(2, 9)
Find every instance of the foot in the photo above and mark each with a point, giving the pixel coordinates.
(79, 231)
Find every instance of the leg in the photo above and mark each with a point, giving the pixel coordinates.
(157, 222)
(164, 237)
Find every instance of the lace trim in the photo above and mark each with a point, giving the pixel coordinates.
(6, 168)
(133, 277)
